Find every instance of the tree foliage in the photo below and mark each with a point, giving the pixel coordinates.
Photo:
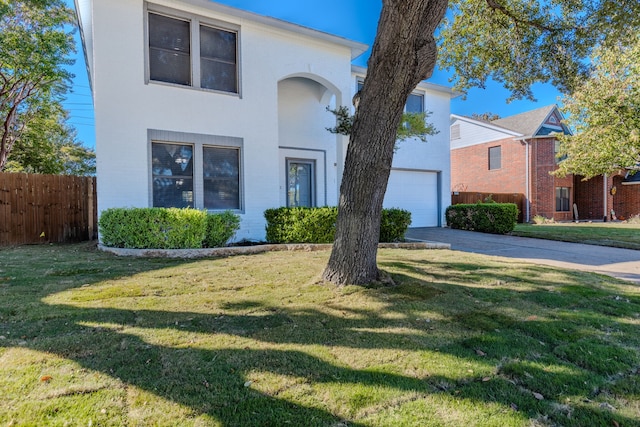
(412, 125)
(35, 45)
(487, 117)
(605, 113)
(48, 145)
(522, 42)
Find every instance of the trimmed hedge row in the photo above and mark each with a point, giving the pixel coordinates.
(318, 225)
(166, 228)
(496, 218)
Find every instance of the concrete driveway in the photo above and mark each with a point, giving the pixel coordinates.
(620, 263)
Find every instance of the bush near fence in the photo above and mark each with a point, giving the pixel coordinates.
(471, 197)
(496, 218)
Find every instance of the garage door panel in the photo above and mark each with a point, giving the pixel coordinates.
(416, 192)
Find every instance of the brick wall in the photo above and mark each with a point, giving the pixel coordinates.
(589, 198)
(470, 168)
(543, 191)
(626, 201)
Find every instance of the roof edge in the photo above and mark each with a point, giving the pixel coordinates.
(357, 48)
(357, 69)
(488, 125)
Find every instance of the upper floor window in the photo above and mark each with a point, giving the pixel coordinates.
(415, 103)
(556, 150)
(495, 157)
(185, 51)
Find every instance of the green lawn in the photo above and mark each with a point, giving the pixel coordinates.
(617, 234)
(87, 338)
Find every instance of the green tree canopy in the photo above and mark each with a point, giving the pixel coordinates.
(605, 113)
(35, 47)
(522, 42)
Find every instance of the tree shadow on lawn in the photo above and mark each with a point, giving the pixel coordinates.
(537, 355)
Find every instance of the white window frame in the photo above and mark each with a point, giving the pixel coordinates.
(195, 22)
(198, 141)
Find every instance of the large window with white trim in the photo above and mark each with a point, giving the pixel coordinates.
(187, 50)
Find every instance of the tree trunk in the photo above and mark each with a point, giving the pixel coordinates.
(404, 53)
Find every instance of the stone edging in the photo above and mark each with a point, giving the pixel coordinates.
(248, 250)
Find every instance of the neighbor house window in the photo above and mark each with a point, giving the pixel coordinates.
(556, 149)
(195, 170)
(185, 51)
(495, 157)
(562, 199)
(455, 132)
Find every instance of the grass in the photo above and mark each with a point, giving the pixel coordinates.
(616, 234)
(87, 338)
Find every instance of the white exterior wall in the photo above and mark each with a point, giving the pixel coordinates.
(433, 155)
(126, 108)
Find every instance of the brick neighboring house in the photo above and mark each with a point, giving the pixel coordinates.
(516, 154)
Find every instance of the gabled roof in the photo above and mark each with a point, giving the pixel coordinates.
(534, 123)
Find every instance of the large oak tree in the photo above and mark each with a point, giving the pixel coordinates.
(515, 42)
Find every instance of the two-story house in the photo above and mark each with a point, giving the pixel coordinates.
(513, 155)
(204, 105)
(517, 154)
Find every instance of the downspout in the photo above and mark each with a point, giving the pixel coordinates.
(604, 196)
(527, 182)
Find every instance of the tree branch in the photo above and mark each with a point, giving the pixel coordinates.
(495, 6)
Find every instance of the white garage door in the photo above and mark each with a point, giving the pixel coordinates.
(416, 192)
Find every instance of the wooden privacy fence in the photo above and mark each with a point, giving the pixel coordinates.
(47, 208)
(458, 197)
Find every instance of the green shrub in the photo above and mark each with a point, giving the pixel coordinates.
(394, 224)
(318, 225)
(497, 218)
(301, 225)
(165, 228)
(220, 228)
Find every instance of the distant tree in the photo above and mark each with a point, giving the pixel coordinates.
(412, 125)
(48, 145)
(487, 117)
(35, 46)
(605, 113)
(517, 43)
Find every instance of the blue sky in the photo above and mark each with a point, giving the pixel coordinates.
(353, 19)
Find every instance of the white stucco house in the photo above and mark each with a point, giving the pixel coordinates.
(200, 104)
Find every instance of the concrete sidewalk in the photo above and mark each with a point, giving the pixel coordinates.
(620, 263)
